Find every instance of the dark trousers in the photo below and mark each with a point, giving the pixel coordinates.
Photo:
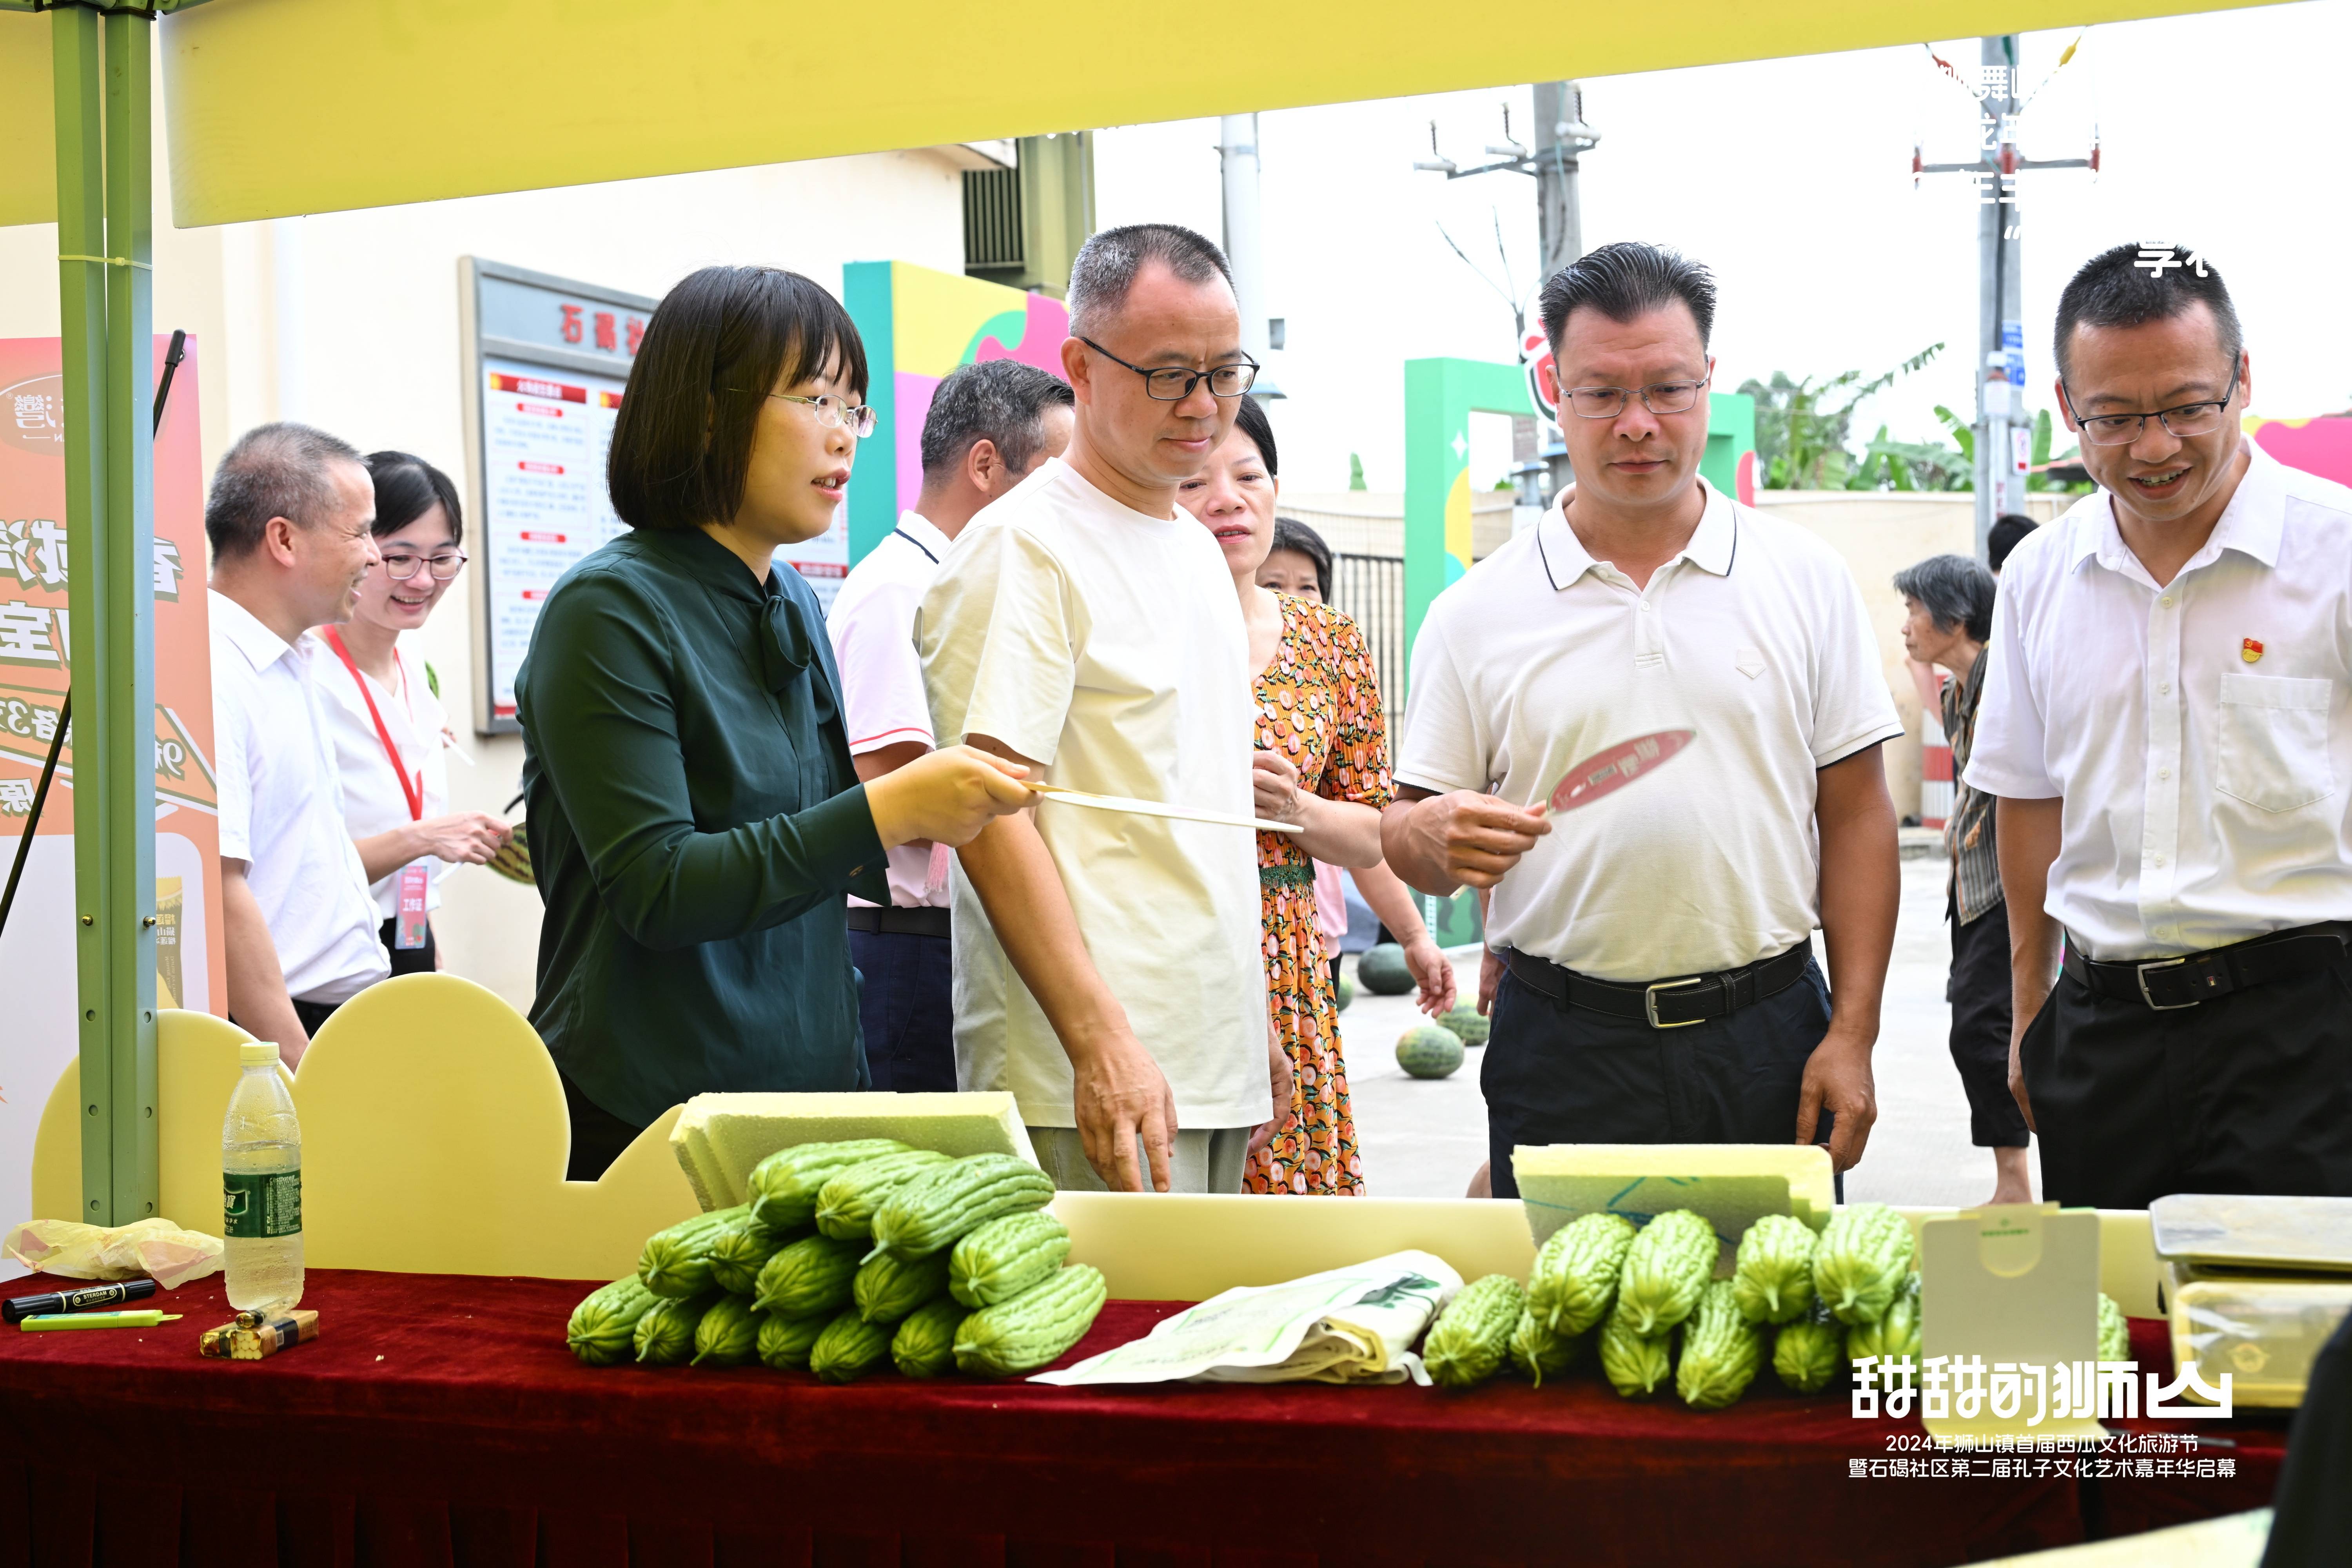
(906, 1010)
(309, 1015)
(1556, 1074)
(2250, 1093)
(597, 1135)
(1980, 1020)
(410, 960)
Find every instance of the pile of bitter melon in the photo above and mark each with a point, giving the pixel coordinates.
(1810, 1304)
(849, 1255)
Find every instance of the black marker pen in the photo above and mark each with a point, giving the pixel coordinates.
(81, 1300)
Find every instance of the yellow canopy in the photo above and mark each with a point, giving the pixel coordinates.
(279, 107)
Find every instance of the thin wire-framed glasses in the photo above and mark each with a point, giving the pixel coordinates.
(2122, 429)
(1174, 384)
(830, 411)
(1658, 397)
(400, 565)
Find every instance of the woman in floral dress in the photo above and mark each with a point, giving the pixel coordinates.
(1322, 763)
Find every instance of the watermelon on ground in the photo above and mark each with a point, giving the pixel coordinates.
(1346, 994)
(1429, 1050)
(1467, 1022)
(1383, 971)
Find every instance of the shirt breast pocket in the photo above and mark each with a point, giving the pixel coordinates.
(2272, 750)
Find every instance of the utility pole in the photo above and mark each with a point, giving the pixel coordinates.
(2003, 427)
(1246, 237)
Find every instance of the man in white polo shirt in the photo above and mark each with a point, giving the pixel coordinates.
(989, 426)
(2166, 723)
(1107, 964)
(290, 520)
(1660, 984)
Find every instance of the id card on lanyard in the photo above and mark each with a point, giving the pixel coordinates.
(408, 929)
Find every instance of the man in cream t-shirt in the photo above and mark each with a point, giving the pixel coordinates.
(1107, 964)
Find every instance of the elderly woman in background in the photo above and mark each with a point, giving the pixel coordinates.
(1322, 763)
(1300, 565)
(1947, 604)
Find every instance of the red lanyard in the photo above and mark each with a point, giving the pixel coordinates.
(414, 793)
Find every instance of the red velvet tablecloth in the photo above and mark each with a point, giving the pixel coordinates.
(439, 1420)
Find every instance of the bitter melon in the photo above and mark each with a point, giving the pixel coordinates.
(1635, 1364)
(811, 1276)
(783, 1186)
(1004, 1258)
(784, 1343)
(740, 1250)
(729, 1334)
(2115, 1334)
(1034, 1328)
(1896, 1333)
(602, 1331)
(846, 1205)
(1574, 1281)
(676, 1262)
(931, 1212)
(1539, 1352)
(1810, 1352)
(1471, 1337)
(1861, 1261)
(887, 1289)
(924, 1345)
(1721, 1350)
(850, 1347)
(665, 1335)
(1668, 1265)
(1773, 1274)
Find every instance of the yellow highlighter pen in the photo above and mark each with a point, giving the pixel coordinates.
(143, 1318)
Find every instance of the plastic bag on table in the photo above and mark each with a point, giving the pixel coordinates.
(152, 1248)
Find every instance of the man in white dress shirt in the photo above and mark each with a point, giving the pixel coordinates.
(989, 426)
(1660, 985)
(290, 521)
(1108, 968)
(2166, 723)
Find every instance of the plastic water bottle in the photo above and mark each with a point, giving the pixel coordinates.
(261, 1186)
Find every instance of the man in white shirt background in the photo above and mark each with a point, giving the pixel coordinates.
(2167, 723)
(290, 519)
(1660, 985)
(989, 427)
(1107, 967)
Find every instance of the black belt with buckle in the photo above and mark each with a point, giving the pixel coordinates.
(1665, 1003)
(2168, 984)
(897, 921)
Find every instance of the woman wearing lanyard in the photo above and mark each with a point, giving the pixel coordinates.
(385, 721)
(695, 818)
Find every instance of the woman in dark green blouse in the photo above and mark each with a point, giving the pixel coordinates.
(695, 819)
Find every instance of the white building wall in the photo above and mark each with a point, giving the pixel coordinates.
(349, 321)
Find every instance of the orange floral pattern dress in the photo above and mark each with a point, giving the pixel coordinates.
(1319, 704)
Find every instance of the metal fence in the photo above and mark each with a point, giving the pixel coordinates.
(1370, 588)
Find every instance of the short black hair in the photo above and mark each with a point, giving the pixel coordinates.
(1002, 401)
(1955, 591)
(2134, 284)
(1250, 420)
(274, 471)
(1623, 281)
(1106, 265)
(2008, 531)
(718, 345)
(1289, 533)
(406, 488)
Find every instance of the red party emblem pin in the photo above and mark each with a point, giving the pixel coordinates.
(2250, 651)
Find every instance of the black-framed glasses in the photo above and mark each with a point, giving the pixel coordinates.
(400, 565)
(1658, 397)
(1172, 383)
(2123, 429)
(858, 418)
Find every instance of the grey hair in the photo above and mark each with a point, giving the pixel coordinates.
(1108, 264)
(1002, 401)
(1955, 590)
(274, 471)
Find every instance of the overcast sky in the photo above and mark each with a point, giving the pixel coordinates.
(1791, 179)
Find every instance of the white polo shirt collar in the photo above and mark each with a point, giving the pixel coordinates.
(919, 531)
(2252, 524)
(244, 631)
(1712, 546)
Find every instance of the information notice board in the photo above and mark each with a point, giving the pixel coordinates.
(547, 362)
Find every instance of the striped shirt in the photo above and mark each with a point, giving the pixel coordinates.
(1967, 834)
